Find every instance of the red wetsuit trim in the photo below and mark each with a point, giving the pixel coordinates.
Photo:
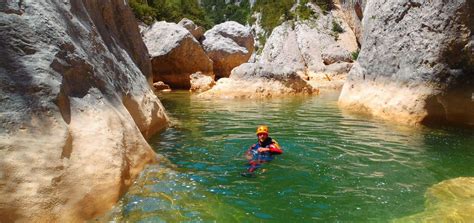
(274, 148)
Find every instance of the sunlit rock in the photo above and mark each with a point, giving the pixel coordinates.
(293, 62)
(252, 80)
(282, 49)
(201, 82)
(416, 63)
(76, 107)
(175, 54)
(195, 30)
(449, 201)
(228, 44)
(353, 13)
(332, 76)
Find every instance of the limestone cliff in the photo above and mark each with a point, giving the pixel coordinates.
(76, 107)
(299, 56)
(416, 64)
(353, 13)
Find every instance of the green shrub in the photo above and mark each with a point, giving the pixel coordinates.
(325, 5)
(171, 11)
(262, 40)
(273, 12)
(143, 11)
(336, 27)
(220, 12)
(355, 54)
(303, 11)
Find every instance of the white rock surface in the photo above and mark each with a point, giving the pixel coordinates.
(195, 30)
(228, 44)
(416, 63)
(175, 54)
(282, 49)
(76, 107)
(298, 57)
(201, 82)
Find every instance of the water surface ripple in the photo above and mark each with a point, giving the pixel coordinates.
(336, 167)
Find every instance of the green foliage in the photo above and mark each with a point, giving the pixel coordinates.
(325, 5)
(355, 54)
(276, 12)
(220, 12)
(262, 40)
(303, 11)
(336, 27)
(171, 11)
(143, 11)
(273, 12)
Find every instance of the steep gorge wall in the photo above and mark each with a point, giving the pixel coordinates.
(416, 63)
(354, 13)
(76, 107)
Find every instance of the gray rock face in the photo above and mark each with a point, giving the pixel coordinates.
(195, 30)
(75, 107)
(416, 62)
(228, 44)
(175, 54)
(353, 13)
(282, 49)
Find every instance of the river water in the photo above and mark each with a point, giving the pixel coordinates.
(336, 166)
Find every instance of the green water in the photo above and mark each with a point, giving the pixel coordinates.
(336, 166)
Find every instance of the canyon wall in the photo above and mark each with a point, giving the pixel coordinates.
(416, 63)
(76, 108)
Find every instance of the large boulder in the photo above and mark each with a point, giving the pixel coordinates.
(416, 64)
(228, 44)
(175, 54)
(76, 107)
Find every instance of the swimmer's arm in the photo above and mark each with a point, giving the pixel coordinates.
(275, 148)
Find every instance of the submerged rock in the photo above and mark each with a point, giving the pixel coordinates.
(76, 107)
(201, 82)
(161, 86)
(175, 54)
(449, 201)
(228, 44)
(416, 63)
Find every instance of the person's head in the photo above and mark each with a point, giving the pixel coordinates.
(262, 133)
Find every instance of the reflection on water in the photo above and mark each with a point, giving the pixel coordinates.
(336, 166)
